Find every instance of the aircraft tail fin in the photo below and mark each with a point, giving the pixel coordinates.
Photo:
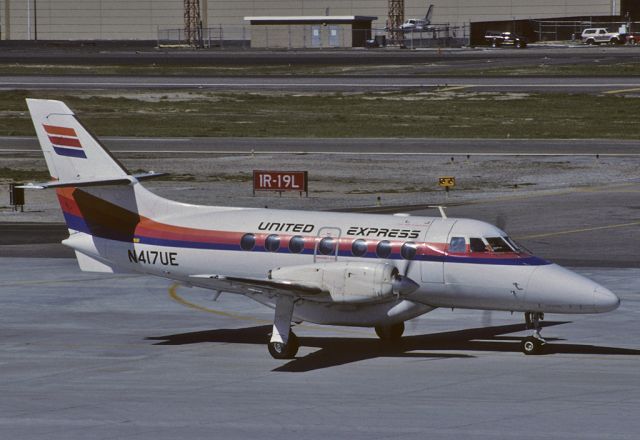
(72, 153)
(101, 201)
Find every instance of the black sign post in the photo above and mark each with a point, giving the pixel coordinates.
(16, 196)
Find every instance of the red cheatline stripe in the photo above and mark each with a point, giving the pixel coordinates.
(62, 131)
(65, 142)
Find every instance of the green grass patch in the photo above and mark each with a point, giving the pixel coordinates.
(400, 114)
(594, 68)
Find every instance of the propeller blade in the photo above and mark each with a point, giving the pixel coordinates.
(403, 285)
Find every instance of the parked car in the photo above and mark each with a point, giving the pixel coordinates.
(601, 35)
(497, 39)
(633, 38)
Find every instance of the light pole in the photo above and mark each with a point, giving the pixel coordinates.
(35, 19)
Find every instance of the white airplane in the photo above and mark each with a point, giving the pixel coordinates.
(328, 268)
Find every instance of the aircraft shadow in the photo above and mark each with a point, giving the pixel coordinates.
(339, 351)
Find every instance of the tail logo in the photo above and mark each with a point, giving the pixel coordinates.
(65, 141)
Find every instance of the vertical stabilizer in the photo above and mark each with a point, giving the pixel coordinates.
(71, 152)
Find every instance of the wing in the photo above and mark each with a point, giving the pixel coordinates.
(259, 285)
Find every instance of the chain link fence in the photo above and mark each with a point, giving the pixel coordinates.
(556, 30)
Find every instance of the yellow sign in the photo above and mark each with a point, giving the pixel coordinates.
(447, 182)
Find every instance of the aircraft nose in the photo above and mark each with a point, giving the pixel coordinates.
(553, 287)
(605, 300)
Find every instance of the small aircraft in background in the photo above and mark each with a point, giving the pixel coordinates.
(328, 268)
(418, 24)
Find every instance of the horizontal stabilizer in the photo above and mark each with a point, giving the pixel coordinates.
(96, 182)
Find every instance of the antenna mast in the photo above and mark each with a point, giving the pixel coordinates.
(192, 23)
(396, 18)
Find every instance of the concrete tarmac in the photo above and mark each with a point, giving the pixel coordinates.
(101, 356)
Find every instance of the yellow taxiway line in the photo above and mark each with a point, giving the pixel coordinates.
(577, 231)
(615, 92)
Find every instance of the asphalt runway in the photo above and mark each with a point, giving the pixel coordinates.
(175, 147)
(101, 356)
(355, 83)
(145, 54)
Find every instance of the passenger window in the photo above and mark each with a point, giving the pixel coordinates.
(409, 250)
(477, 245)
(272, 243)
(296, 244)
(247, 242)
(327, 246)
(359, 248)
(457, 245)
(383, 250)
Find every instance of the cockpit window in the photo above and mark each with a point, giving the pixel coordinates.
(498, 244)
(477, 245)
(513, 244)
(457, 245)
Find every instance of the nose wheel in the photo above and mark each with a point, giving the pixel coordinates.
(533, 344)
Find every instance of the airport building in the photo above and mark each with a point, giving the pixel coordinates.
(147, 19)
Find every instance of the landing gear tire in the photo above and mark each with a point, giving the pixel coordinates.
(279, 350)
(531, 345)
(390, 332)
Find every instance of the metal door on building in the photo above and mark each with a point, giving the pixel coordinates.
(316, 37)
(334, 36)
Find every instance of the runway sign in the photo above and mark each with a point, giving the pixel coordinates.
(280, 181)
(447, 182)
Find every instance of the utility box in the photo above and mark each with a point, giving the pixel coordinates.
(16, 196)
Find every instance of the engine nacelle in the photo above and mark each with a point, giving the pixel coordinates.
(348, 282)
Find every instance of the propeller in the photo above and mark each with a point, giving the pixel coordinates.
(402, 284)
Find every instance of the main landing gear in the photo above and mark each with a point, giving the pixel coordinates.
(390, 333)
(533, 344)
(284, 343)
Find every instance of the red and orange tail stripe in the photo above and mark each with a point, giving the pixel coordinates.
(65, 141)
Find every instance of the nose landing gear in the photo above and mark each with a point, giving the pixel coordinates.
(533, 344)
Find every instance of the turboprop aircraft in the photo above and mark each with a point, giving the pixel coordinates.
(328, 268)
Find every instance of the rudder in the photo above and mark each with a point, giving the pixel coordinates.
(71, 152)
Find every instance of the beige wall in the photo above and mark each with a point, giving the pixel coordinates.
(297, 36)
(140, 19)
